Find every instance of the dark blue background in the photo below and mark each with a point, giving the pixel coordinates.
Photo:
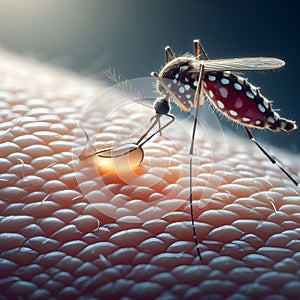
(130, 35)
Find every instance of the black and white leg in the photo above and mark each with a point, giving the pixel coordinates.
(197, 105)
(198, 50)
(271, 158)
(153, 122)
(169, 54)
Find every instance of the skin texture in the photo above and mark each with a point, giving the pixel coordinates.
(55, 243)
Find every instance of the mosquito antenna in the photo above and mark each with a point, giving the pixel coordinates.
(121, 84)
(197, 104)
(271, 158)
(111, 75)
(128, 90)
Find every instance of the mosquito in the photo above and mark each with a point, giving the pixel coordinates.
(233, 96)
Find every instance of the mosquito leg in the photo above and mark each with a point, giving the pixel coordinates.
(197, 104)
(169, 54)
(199, 50)
(272, 159)
(159, 127)
(197, 99)
(156, 118)
(89, 148)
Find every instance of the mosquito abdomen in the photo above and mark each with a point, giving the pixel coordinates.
(242, 102)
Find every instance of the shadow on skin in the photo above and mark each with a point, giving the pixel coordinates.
(54, 242)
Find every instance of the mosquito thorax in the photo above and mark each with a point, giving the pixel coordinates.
(181, 80)
(176, 66)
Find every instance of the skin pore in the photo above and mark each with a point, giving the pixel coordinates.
(56, 243)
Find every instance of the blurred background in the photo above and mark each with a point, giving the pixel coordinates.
(91, 36)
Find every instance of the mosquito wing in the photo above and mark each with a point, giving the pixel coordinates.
(239, 64)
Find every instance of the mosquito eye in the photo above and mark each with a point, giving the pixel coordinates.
(119, 159)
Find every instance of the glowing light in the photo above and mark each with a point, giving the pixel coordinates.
(120, 159)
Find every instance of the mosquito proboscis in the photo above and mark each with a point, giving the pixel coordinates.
(125, 156)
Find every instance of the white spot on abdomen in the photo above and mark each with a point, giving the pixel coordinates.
(271, 119)
(261, 107)
(181, 90)
(233, 113)
(250, 94)
(246, 119)
(224, 81)
(220, 104)
(237, 86)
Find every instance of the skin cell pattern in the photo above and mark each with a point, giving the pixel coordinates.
(55, 243)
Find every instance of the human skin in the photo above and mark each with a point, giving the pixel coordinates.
(56, 243)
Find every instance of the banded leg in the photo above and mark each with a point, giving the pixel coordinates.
(197, 97)
(198, 100)
(169, 54)
(271, 158)
(141, 141)
(198, 50)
